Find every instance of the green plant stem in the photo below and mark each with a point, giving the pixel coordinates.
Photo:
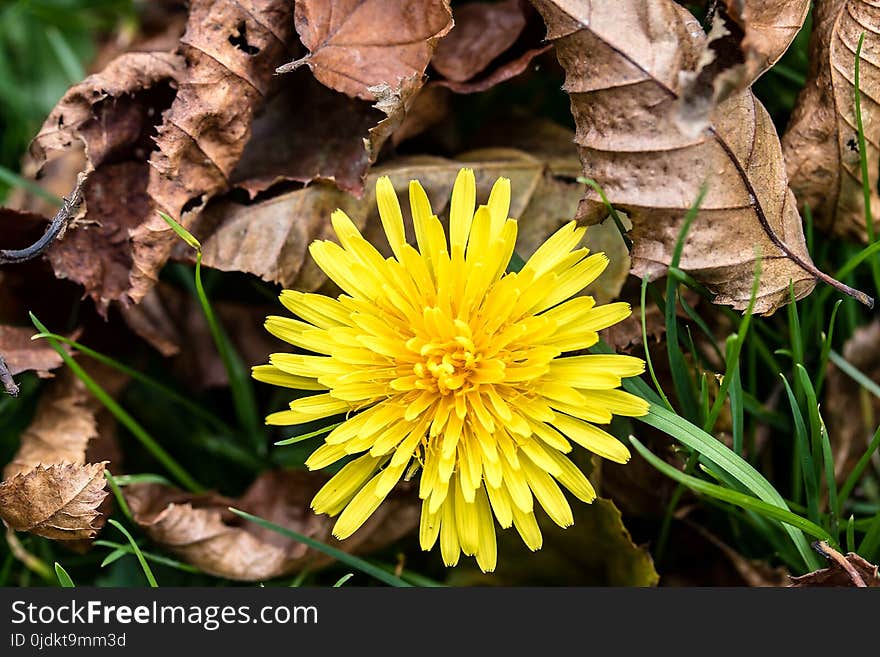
(863, 160)
(346, 558)
(193, 408)
(122, 416)
(148, 573)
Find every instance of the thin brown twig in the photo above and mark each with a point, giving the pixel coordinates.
(830, 553)
(55, 230)
(9, 384)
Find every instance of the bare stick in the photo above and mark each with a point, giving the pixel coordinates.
(830, 553)
(55, 230)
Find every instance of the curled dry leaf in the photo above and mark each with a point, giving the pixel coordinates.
(357, 44)
(821, 141)
(59, 501)
(623, 62)
(231, 50)
(308, 132)
(850, 409)
(49, 487)
(201, 531)
(479, 51)
(112, 116)
(24, 355)
(746, 39)
(270, 239)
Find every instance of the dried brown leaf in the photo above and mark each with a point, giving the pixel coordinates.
(111, 115)
(482, 32)
(357, 44)
(23, 354)
(63, 425)
(231, 50)
(480, 50)
(59, 501)
(821, 143)
(623, 62)
(270, 239)
(746, 39)
(307, 132)
(201, 531)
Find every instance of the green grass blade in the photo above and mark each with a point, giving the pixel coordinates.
(806, 386)
(123, 550)
(724, 459)
(63, 578)
(806, 465)
(648, 360)
(856, 474)
(243, 396)
(851, 534)
(863, 159)
(148, 573)
(306, 436)
(733, 497)
(68, 60)
(14, 180)
(348, 559)
(122, 415)
(342, 580)
(830, 481)
(824, 355)
(611, 211)
(855, 374)
(148, 381)
(871, 541)
(117, 493)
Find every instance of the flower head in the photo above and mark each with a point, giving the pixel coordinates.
(445, 364)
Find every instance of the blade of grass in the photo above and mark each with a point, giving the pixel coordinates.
(611, 211)
(348, 559)
(723, 458)
(120, 550)
(195, 409)
(733, 497)
(678, 366)
(855, 374)
(243, 396)
(804, 463)
(68, 60)
(871, 541)
(342, 580)
(863, 160)
(148, 573)
(806, 387)
(306, 436)
(117, 493)
(737, 409)
(856, 474)
(826, 349)
(128, 480)
(830, 482)
(648, 360)
(122, 415)
(14, 180)
(63, 578)
(851, 534)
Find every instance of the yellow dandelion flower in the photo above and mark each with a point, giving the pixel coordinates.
(443, 362)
